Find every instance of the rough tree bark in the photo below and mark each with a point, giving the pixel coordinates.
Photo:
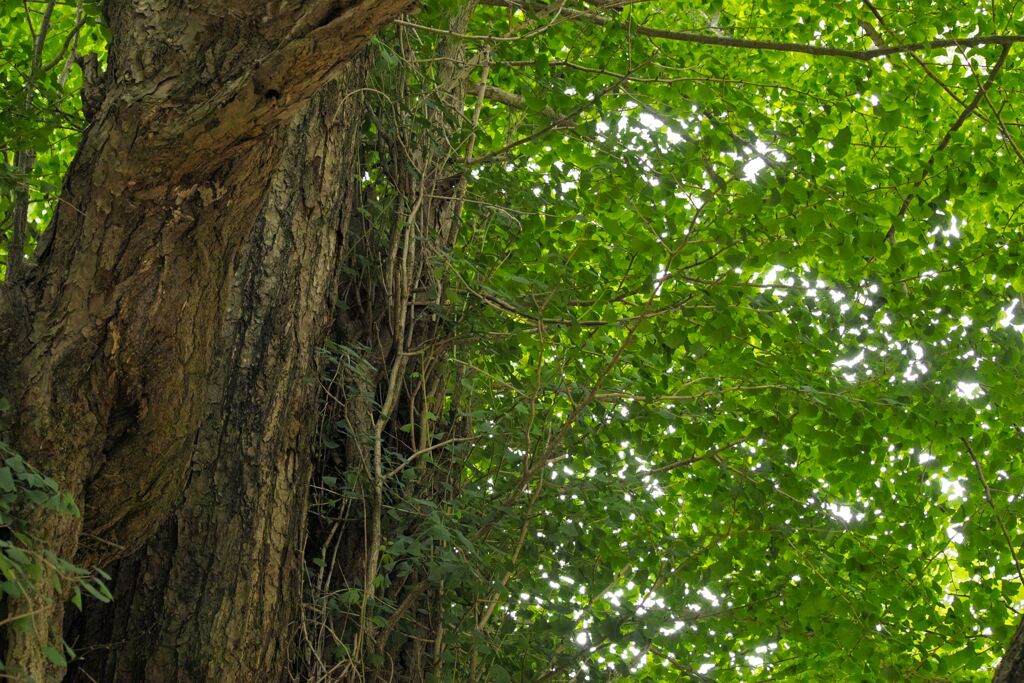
(1011, 666)
(164, 340)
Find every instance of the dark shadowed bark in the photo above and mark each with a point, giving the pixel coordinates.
(165, 339)
(1011, 667)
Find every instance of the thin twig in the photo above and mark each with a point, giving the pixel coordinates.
(995, 512)
(948, 137)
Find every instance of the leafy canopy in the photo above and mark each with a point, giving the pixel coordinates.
(739, 289)
(749, 341)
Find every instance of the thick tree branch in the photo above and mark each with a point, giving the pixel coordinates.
(771, 45)
(823, 51)
(511, 99)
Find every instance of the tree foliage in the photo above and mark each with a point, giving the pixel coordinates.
(41, 116)
(723, 362)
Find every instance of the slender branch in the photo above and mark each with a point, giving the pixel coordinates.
(1004, 130)
(995, 512)
(697, 458)
(948, 137)
(755, 44)
(515, 101)
(562, 121)
(823, 51)
(920, 62)
(25, 159)
(69, 40)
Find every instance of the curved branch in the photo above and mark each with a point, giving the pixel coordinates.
(876, 52)
(824, 51)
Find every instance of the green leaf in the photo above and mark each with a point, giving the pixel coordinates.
(54, 655)
(841, 143)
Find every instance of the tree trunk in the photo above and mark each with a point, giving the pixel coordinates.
(1011, 666)
(166, 338)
